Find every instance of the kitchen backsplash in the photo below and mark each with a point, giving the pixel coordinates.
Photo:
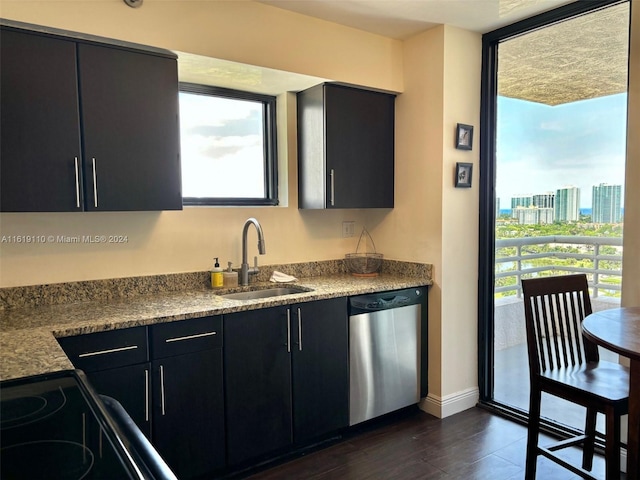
(119, 288)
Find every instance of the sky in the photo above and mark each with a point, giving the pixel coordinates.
(541, 148)
(221, 147)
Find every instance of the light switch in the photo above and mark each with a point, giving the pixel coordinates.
(348, 229)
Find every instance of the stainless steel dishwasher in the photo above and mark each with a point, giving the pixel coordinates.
(384, 352)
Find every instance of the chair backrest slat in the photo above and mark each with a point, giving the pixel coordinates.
(564, 327)
(554, 310)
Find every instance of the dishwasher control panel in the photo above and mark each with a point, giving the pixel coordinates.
(385, 300)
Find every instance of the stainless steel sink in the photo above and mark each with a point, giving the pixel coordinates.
(264, 293)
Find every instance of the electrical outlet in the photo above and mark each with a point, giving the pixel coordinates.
(348, 229)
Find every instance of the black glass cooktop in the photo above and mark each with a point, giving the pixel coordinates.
(52, 427)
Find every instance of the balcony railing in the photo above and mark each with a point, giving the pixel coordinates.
(556, 258)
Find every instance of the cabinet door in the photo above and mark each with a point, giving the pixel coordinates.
(188, 425)
(106, 350)
(40, 145)
(257, 383)
(131, 387)
(359, 147)
(320, 368)
(130, 128)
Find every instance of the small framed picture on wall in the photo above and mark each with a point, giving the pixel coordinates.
(463, 175)
(464, 137)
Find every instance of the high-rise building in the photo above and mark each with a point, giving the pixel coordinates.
(533, 215)
(544, 200)
(605, 203)
(521, 201)
(524, 201)
(567, 204)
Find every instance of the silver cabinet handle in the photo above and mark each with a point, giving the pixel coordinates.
(189, 337)
(75, 160)
(104, 352)
(288, 330)
(299, 330)
(162, 390)
(95, 184)
(146, 394)
(333, 189)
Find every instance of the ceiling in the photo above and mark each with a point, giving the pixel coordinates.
(401, 19)
(582, 58)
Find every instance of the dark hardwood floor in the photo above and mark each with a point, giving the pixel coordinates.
(474, 444)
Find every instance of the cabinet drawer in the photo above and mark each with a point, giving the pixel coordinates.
(99, 351)
(178, 338)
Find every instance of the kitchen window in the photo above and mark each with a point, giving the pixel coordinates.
(228, 146)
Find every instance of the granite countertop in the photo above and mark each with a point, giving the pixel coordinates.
(28, 334)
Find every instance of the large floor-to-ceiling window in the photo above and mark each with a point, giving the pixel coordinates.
(553, 159)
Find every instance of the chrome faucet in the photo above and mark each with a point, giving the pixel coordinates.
(245, 271)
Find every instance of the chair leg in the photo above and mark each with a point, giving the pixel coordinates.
(535, 397)
(589, 443)
(612, 444)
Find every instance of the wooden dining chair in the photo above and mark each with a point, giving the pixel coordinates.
(565, 364)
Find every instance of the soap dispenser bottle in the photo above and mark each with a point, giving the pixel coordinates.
(216, 275)
(230, 277)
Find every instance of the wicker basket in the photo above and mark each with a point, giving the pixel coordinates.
(363, 264)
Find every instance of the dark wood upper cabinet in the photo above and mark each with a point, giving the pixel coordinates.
(40, 145)
(130, 128)
(345, 148)
(87, 126)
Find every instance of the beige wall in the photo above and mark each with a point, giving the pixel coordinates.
(438, 72)
(462, 73)
(168, 242)
(432, 218)
(631, 259)
(414, 227)
(240, 31)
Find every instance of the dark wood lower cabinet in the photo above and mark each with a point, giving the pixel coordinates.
(319, 365)
(188, 399)
(188, 426)
(169, 378)
(280, 382)
(257, 383)
(129, 385)
(286, 377)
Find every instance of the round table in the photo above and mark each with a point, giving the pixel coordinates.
(618, 330)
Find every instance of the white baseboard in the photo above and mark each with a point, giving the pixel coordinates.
(448, 405)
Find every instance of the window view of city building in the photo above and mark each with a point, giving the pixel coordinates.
(542, 208)
(606, 203)
(560, 161)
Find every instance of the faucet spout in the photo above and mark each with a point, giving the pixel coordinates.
(244, 269)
